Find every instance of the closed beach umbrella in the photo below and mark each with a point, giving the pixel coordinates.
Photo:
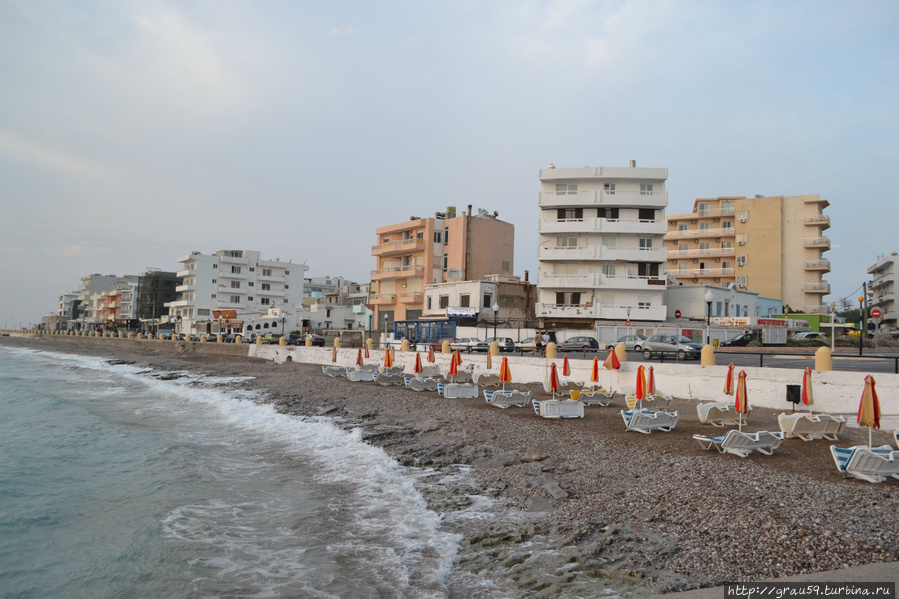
(651, 383)
(807, 398)
(741, 405)
(553, 380)
(334, 354)
(366, 351)
(869, 408)
(566, 368)
(388, 359)
(594, 372)
(505, 373)
(454, 366)
(611, 362)
(431, 354)
(359, 358)
(418, 367)
(729, 382)
(489, 361)
(641, 385)
(458, 356)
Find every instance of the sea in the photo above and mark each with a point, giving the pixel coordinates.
(121, 481)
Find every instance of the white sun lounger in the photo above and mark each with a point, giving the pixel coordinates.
(387, 379)
(334, 371)
(371, 367)
(422, 384)
(505, 399)
(457, 390)
(464, 376)
(391, 370)
(361, 375)
(658, 398)
(596, 397)
(811, 427)
(646, 421)
(486, 379)
(873, 464)
(742, 444)
(719, 414)
(554, 408)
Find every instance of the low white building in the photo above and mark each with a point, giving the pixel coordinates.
(472, 302)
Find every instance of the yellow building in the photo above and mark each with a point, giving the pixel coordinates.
(422, 251)
(772, 246)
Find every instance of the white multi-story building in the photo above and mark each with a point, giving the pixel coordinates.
(233, 280)
(601, 255)
(883, 288)
(64, 305)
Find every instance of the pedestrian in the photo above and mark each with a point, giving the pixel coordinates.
(538, 343)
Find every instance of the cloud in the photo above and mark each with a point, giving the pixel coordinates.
(345, 31)
(44, 156)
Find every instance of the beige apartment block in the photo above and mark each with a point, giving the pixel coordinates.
(601, 255)
(772, 246)
(423, 251)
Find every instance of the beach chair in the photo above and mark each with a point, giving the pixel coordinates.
(390, 379)
(659, 399)
(391, 370)
(742, 444)
(596, 397)
(718, 414)
(811, 427)
(647, 421)
(873, 464)
(464, 376)
(361, 375)
(505, 399)
(422, 384)
(334, 371)
(896, 437)
(554, 408)
(430, 371)
(369, 367)
(486, 379)
(457, 390)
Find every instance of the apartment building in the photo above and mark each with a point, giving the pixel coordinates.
(106, 301)
(239, 281)
(772, 246)
(472, 302)
(66, 307)
(601, 254)
(883, 288)
(423, 251)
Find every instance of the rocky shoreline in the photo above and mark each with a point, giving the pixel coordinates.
(584, 507)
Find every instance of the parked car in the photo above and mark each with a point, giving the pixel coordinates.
(505, 344)
(166, 335)
(634, 342)
(741, 340)
(211, 337)
(438, 345)
(682, 347)
(583, 343)
(527, 345)
(466, 343)
(317, 340)
(809, 335)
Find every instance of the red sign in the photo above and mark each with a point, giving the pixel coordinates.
(677, 313)
(875, 313)
(627, 323)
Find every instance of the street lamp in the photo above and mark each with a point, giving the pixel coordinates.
(495, 312)
(282, 325)
(708, 319)
(386, 318)
(862, 324)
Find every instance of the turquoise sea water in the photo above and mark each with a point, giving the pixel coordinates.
(114, 483)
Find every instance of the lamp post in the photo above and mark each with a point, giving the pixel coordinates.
(495, 312)
(283, 319)
(862, 325)
(628, 323)
(708, 319)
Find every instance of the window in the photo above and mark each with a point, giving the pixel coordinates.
(287, 287)
(235, 284)
(445, 261)
(266, 286)
(608, 270)
(252, 269)
(609, 188)
(213, 266)
(648, 269)
(704, 226)
(727, 245)
(741, 281)
(235, 299)
(465, 300)
(718, 308)
(703, 210)
(727, 224)
(682, 227)
(682, 266)
(445, 236)
(741, 260)
(568, 299)
(564, 269)
(726, 265)
(645, 189)
(610, 241)
(608, 213)
(506, 266)
(286, 272)
(250, 299)
(266, 272)
(251, 284)
(742, 215)
(487, 300)
(202, 311)
(704, 245)
(647, 214)
(704, 265)
(575, 214)
(566, 241)
(644, 304)
(646, 243)
(235, 270)
(444, 301)
(213, 296)
(683, 247)
(429, 302)
(420, 235)
(727, 207)
(213, 281)
(438, 237)
(264, 301)
(566, 189)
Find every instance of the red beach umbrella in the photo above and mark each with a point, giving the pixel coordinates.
(869, 408)
(641, 383)
(651, 383)
(454, 367)
(458, 356)
(431, 354)
(566, 368)
(505, 373)
(388, 359)
(729, 382)
(366, 351)
(334, 354)
(807, 398)
(418, 367)
(611, 362)
(741, 401)
(359, 358)
(553, 380)
(594, 372)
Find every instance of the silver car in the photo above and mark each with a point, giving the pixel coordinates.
(634, 342)
(671, 345)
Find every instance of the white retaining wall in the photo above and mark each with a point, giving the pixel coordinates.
(835, 392)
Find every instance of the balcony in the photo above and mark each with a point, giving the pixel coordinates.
(817, 265)
(400, 246)
(224, 289)
(817, 242)
(226, 259)
(816, 309)
(711, 212)
(583, 281)
(398, 272)
(185, 273)
(182, 288)
(644, 283)
(567, 253)
(563, 311)
(819, 220)
(269, 292)
(634, 254)
(411, 297)
(822, 288)
(701, 272)
(231, 275)
(657, 313)
(271, 278)
(551, 226)
(383, 299)
(694, 233)
(599, 197)
(707, 252)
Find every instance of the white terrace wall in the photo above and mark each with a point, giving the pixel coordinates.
(835, 392)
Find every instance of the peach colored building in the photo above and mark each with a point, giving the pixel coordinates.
(772, 246)
(422, 251)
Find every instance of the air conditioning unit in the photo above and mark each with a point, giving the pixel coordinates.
(717, 259)
(695, 260)
(693, 221)
(742, 242)
(742, 220)
(717, 239)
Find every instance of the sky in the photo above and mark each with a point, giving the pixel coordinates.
(135, 132)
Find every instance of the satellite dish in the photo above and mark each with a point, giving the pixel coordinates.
(454, 274)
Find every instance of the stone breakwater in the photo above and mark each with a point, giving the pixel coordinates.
(588, 508)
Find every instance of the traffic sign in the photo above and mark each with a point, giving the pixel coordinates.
(627, 323)
(875, 313)
(677, 313)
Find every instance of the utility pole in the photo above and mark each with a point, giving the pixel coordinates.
(863, 318)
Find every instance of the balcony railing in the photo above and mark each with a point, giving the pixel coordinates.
(817, 242)
(398, 246)
(817, 264)
(714, 212)
(622, 198)
(821, 219)
(383, 298)
(398, 271)
(701, 272)
(692, 233)
(701, 252)
(411, 297)
(816, 288)
(566, 311)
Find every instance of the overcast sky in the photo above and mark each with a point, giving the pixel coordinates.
(134, 132)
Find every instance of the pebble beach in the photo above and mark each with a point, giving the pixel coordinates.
(583, 507)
